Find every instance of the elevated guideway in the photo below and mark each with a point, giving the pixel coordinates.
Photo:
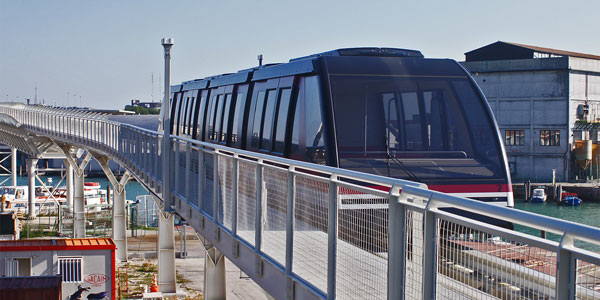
(306, 231)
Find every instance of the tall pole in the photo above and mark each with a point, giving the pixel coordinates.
(13, 165)
(166, 151)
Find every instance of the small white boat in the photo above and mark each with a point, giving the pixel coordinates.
(47, 203)
(538, 196)
(17, 199)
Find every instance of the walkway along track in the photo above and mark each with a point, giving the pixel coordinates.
(319, 231)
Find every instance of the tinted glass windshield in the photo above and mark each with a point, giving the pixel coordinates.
(423, 128)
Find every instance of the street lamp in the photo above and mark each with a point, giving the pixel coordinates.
(166, 122)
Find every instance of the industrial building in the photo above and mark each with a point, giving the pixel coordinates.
(547, 105)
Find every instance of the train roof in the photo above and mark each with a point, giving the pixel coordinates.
(300, 65)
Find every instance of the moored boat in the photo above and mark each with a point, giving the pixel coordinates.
(538, 196)
(571, 199)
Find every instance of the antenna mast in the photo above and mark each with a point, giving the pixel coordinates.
(35, 97)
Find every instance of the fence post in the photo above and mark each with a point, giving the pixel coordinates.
(201, 177)
(565, 269)
(260, 210)
(234, 187)
(289, 237)
(215, 191)
(396, 243)
(332, 232)
(429, 250)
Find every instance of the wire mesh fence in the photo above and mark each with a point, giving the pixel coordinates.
(346, 250)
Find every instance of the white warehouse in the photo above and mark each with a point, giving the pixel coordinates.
(544, 101)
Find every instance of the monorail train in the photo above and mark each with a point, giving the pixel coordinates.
(383, 111)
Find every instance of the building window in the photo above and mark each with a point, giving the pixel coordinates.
(514, 137)
(18, 267)
(549, 137)
(70, 268)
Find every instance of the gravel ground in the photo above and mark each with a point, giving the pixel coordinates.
(190, 270)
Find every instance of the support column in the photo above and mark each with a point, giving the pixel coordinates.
(78, 198)
(166, 253)
(119, 230)
(120, 224)
(214, 273)
(13, 165)
(78, 206)
(31, 167)
(69, 183)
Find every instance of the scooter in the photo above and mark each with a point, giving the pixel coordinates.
(91, 296)
(77, 294)
(97, 296)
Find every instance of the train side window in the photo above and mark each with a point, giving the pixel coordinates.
(183, 114)
(225, 131)
(175, 112)
(412, 121)
(183, 110)
(295, 142)
(178, 104)
(189, 117)
(315, 140)
(258, 112)
(282, 118)
(219, 118)
(240, 104)
(200, 117)
(267, 127)
(210, 117)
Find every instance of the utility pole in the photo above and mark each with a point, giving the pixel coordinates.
(166, 151)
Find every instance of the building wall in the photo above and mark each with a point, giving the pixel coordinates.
(541, 94)
(532, 97)
(46, 263)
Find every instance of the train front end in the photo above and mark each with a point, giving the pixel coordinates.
(419, 119)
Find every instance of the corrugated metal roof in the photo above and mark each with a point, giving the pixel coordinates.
(555, 51)
(57, 243)
(31, 282)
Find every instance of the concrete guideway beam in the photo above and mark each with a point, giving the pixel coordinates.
(214, 273)
(166, 252)
(119, 228)
(78, 184)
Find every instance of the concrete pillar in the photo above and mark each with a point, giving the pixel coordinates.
(31, 167)
(69, 183)
(120, 223)
(166, 253)
(119, 230)
(78, 206)
(214, 273)
(13, 165)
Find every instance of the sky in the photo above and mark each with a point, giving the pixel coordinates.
(102, 54)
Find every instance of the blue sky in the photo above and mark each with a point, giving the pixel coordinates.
(105, 52)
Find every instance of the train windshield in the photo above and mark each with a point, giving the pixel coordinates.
(431, 129)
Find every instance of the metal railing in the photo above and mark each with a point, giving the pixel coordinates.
(324, 232)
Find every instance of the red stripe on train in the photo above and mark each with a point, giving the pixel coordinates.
(463, 188)
(472, 188)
